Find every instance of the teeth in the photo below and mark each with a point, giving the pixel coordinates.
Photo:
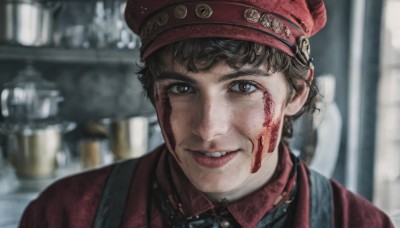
(215, 154)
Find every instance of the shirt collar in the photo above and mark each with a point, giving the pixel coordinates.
(247, 211)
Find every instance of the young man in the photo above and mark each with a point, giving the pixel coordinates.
(226, 79)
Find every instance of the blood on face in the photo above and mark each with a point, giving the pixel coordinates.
(269, 135)
(164, 116)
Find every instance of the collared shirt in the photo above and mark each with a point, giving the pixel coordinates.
(246, 211)
(72, 202)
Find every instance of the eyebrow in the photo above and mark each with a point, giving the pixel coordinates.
(176, 76)
(226, 77)
(241, 73)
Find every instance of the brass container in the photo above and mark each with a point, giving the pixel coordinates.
(94, 153)
(33, 149)
(34, 153)
(90, 153)
(128, 137)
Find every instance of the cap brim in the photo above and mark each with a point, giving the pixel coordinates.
(176, 34)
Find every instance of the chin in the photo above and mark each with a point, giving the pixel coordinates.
(211, 183)
(218, 187)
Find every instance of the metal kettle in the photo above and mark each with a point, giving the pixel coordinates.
(29, 97)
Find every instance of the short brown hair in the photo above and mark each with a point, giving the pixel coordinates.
(204, 53)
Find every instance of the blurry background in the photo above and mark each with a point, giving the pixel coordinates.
(83, 52)
(387, 160)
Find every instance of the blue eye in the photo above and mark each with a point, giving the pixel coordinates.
(243, 87)
(180, 88)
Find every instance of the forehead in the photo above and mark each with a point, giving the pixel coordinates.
(194, 64)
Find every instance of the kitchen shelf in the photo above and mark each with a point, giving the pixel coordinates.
(47, 54)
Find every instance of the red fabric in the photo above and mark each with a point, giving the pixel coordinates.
(354, 211)
(73, 201)
(301, 17)
(194, 202)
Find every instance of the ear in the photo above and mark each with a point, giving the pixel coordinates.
(298, 99)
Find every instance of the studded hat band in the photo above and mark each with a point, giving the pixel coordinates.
(197, 14)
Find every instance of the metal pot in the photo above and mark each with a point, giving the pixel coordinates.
(94, 152)
(33, 150)
(128, 137)
(27, 22)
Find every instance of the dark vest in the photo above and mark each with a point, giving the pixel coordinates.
(111, 208)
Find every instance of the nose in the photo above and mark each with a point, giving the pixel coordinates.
(211, 118)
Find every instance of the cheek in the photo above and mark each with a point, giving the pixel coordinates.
(266, 140)
(164, 112)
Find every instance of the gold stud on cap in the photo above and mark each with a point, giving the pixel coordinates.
(288, 33)
(277, 26)
(305, 47)
(149, 28)
(162, 18)
(180, 12)
(266, 20)
(303, 50)
(153, 24)
(251, 15)
(203, 11)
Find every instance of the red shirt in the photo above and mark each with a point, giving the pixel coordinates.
(73, 201)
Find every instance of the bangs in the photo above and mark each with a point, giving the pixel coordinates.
(203, 54)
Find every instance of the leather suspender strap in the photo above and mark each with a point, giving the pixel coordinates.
(321, 201)
(112, 204)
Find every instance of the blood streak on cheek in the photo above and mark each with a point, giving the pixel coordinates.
(275, 129)
(258, 154)
(266, 132)
(165, 117)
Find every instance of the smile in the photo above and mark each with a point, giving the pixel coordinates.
(215, 154)
(215, 159)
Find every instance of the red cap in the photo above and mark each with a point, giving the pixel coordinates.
(283, 24)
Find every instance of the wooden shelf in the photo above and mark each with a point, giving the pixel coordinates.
(127, 56)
